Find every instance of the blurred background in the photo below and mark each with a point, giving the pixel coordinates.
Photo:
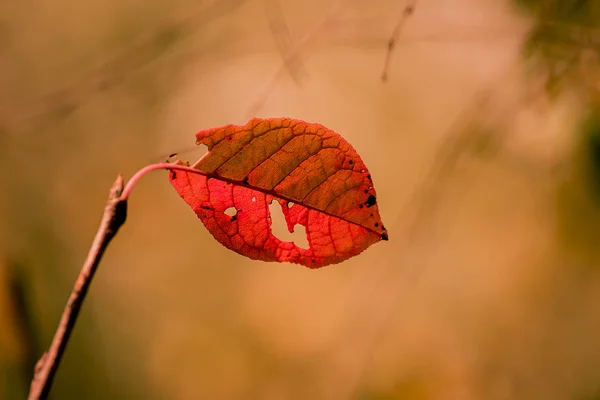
(484, 147)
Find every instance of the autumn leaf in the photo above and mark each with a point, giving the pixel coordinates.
(317, 177)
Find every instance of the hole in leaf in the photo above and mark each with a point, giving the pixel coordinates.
(254, 199)
(279, 227)
(231, 211)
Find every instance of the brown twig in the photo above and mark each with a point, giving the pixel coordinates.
(114, 216)
(409, 9)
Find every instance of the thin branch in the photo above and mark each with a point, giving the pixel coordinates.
(114, 216)
(409, 9)
(283, 39)
(150, 46)
(294, 52)
(211, 175)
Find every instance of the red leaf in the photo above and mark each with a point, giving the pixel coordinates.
(289, 161)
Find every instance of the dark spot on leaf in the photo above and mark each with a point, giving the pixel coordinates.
(366, 191)
(384, 236)
(233, 218)
(228, 137)
(376, 224)
(383, 227)
(371, 215)
(371, 201)
(312, 261)
(361, 206)
(173, 175)
(205, 207)
(245, 180)
(351, 162)
(204, 216)
(369, 178)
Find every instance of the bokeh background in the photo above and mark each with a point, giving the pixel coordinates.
(484, 146)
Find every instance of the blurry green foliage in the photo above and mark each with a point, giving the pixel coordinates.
(595, 396)
(412, 387)
(579, 194)
(591, 147)
(564, 41)
(563, 9)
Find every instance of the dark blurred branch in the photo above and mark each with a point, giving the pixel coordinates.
(114, 216)
(409, 9)
(23, 319)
